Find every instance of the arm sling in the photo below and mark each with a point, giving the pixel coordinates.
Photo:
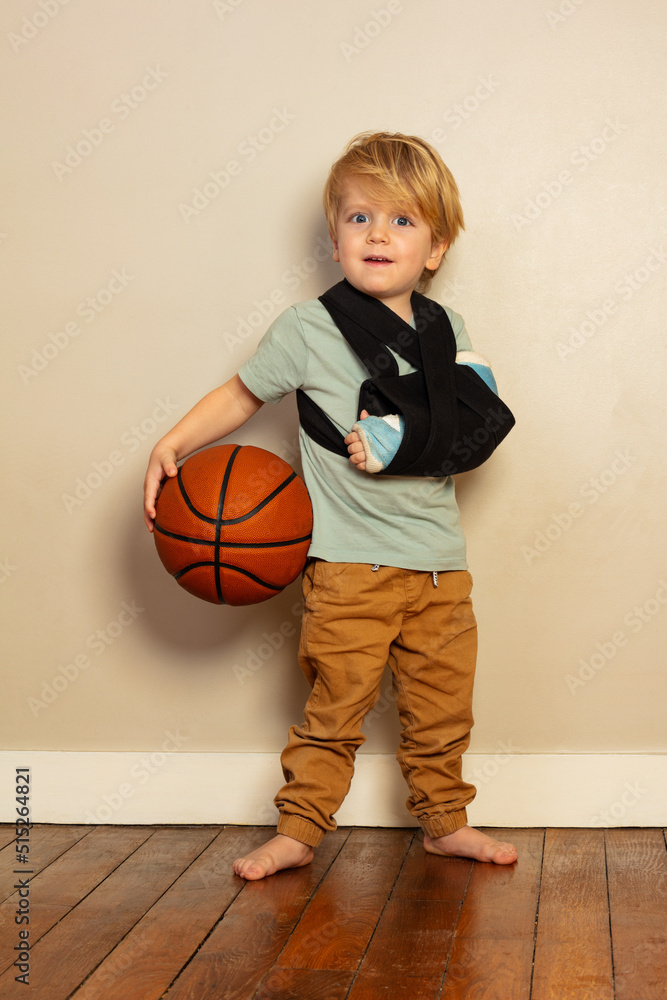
(453, 420)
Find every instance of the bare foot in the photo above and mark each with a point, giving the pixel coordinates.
(281, 852)
(467, 842)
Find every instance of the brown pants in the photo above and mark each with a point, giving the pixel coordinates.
(355, 620)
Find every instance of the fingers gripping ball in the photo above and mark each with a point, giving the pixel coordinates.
(234, 526)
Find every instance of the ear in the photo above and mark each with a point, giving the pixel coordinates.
(436, 255)
(336, 255)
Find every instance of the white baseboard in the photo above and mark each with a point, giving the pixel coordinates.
(514, 790)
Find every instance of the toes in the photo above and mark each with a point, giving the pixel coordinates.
(247, 873)
(250, 868)
(242, 867)
(244, 872)
(507, 851)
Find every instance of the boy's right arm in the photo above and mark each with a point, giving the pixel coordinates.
(215, 416)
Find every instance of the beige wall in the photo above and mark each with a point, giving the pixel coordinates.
(551, 115)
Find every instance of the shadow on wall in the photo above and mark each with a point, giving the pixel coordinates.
(176, 619)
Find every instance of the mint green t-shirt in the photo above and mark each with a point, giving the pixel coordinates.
(411, 522)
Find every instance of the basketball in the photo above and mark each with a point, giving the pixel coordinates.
(233, 527)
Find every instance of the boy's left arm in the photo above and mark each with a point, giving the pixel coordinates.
(371, 447)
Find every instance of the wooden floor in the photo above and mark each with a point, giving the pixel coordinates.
(138, 913)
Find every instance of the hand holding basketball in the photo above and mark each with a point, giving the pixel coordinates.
(160, 466)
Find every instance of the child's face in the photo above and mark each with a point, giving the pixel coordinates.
(381, 248)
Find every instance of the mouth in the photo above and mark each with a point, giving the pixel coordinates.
(377, 260)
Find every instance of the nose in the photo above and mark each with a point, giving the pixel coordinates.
(378, 232)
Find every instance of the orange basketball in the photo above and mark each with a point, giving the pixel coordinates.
(234, 526)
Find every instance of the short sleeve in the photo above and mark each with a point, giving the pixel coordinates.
(278, 366)
(460, 332)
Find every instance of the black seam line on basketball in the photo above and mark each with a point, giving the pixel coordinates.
(231, 545)
(218, 520)
(231, 520)
(237, 569)
(188, 501)
(251, 513)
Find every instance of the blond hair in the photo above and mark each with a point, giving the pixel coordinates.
(406, 171)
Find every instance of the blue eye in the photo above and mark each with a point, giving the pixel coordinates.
(359, 217)
(402, 220)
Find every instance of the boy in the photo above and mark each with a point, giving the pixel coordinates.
(387, 579)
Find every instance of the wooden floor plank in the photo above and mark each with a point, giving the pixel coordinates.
(46, 843)
(150, 957)
(305, 984)
(637, 877)
(367, 987)
(7, 834)
(68, 879)
(573, 947)
(339, 922)
(427, 876)
(242, 948)
(65, 956)
(492, 952)
(412, 941)
(501, 901)
(143, 914)
(491, 970)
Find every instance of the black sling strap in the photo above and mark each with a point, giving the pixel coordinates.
(453, 420)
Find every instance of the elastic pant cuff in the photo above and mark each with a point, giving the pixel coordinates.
(446, 823)
(300, 829)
